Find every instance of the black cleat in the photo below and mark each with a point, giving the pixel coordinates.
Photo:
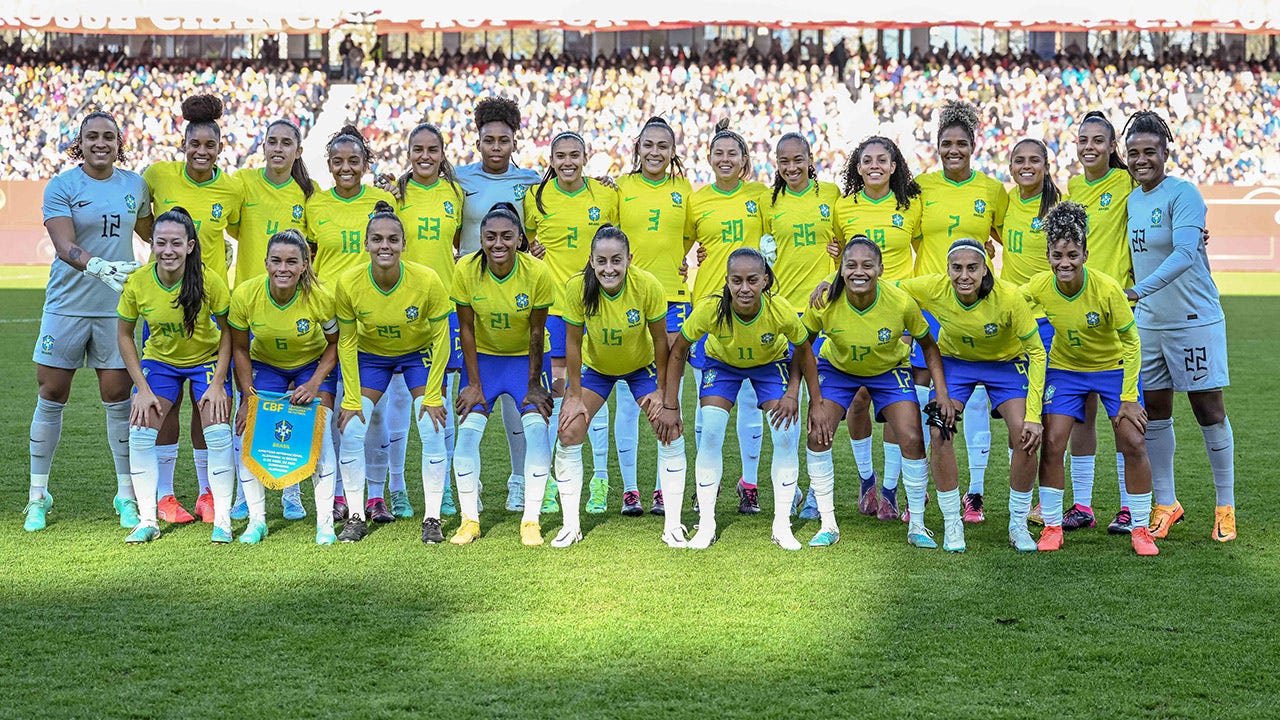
(748, 499)
(353, 530)
(431, 531)
(379, 513)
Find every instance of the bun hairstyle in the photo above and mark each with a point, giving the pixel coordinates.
(498, 109)
(299, 170)
(292, 236)
(723, 132)
(382, 210)
(550, 174)
(724, 309)
(191, 294)
(1097, 116)
(76, 152)
(1067, 222)
(988, 282)
(591, 283)
(958, 113)
(1148, 122)
(1049, 192)
(446, 169)
(502, 211)
(202, 111)
(779, 184)
(859, 240)
(677, 167)
(351, 134)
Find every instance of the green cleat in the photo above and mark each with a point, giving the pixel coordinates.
(400, 506)
(325, 535)
(220, 536)
(254, 534)
(127, 509)
(825, 538)
(599, 500)
(143, 534)
(549, 502)
(37, 512)
(447, 506)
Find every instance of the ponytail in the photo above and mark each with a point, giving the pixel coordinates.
(299, 170)
(988, 282)
(550, 174)
(507, 211)
(677, 167)
(1049, 192)
(191, 295)
(446, 169)
(779, 184)
(1113, 160)
(590, 283)
(307, 280)
(722, 133)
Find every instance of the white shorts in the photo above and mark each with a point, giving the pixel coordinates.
(70, 343)
(1190, 359)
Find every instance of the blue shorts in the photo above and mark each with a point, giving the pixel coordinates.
(1045, 328)
(166, 380)
(556, 331)
(698, 353)
(917, 354)
(640, 383)
(676, 314)
(455, 343)
(885, 389)
(723, 380)
(376, 370)
(272, 379)
(1004, 380)
(1065, 391)
(506, 375)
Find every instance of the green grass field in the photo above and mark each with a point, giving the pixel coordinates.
(621, 626)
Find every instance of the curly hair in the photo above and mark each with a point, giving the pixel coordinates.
(202, 111)
(76, 152)
(901, 183)
(1067, 221)
(958, 113)
(498, 109)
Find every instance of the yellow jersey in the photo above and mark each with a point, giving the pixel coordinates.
(895, 230)
(413, 316)
(145, 298)
(337, 226)
(286, 336)
(802, 224)
(268, 208)
(951, 211)
(502, 305)
(1106, 200)
(867, 342)
(655, 218)
(1026, 250)
(214, 205)
(722, 222)
(615, 338)
(746, 343)
(568, 225)
(432, 215)
(1093, 330)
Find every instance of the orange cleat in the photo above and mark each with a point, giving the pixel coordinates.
(204, 507)
(1050, 538)
(1164, 517)
(1224, 523)
(170, 511)
(1143, 543)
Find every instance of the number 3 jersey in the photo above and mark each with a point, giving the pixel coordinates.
(103, 213)
(1190, 298)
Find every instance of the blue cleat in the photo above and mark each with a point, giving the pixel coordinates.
(220, 536)
(810, 509)
(291, 502)
(127, 509)
(37, 512)
(240, 511)
(254, 534)
(447, 506)
(143, 534)
(325, 536)
(921, 537)
(825, 538)
(400, 506)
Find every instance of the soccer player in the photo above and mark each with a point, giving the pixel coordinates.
(91, 212)
(653, 214)
(275, 199)
(560, 217)
(1180, 321)
(293, 349)
(502, 294)
(987, 337)
(213, 198)
(960, 202)
(725, 216)
(801, 222)
(185, 309)
(1096, 351)
(393, 317)
(615, 318)
(864, 320)
(751, 334)
(1032, 196)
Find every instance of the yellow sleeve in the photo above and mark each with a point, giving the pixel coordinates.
(127, 308)
(570, 307)
(439, 317)
(791, 326)
(1029, 333)
(1002, 205)
(544, 294)
(1130, 347)
(656, 303)
(238, 318)
(531, 214)
(462, 283)
(348, 350)
(914, 321)
(699, 321)
(219, 296)
(812, 320)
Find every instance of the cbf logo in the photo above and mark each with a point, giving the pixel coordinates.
(752, 207)
(1093, 319)
(885, 335)
(1104, 202)
(677, 198)
(304, 326)
(708, 378)
(1049, 393)
(215, 212)
(898, 220)
(411, 312)
(990, 329)
(824, 210)
(519, 191)
(522, 301)
(46, 344)
(766, 338)
(979, 207)
(633, 316)
(283, 431)
(594, 214)
(297, 212)
(448, 208)
(1156, 217)
(131, 202)
(1036, 225)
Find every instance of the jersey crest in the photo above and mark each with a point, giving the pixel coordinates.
(304, 326)
(633, 316)
(297, 212)
(677, 198)
(1093, 319)
(979, 207)
(522, 301)
(131, 202)
(216, 211)
(885, 335)
(1105, 200)
(411, 312)
(898, 220)
(1156, 217)
(990, 329)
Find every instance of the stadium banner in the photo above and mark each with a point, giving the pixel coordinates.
(284, 439)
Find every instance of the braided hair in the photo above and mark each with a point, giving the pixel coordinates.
(1148, 122)
(901, 183)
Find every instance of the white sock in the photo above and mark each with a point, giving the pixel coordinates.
(145, 472)
(569, 483)
(515, 436)
(46, 431)
(377, 446)
(118, 439)
(167, 462)
(1140, 509)
(697, 409)
(351, 458)
(222, 474)
(1082, 480)
(672, 466)
(922, 397)
(784, 471)
(251, 489)
(200, 456)
(553, 424)
(466, 464)
(338, 490)
(401, 412)
(915, 476)
(1124, 491)
(862, 456)
(657, 481)
(1161, 445)
(892, 465)
(822, 482)
(450, 430)
(323, 480)
(977, 438)
(708, 465)
(750, 433)
(948, 503)
(537, 464)
(1020, 508)
(626, 436)
(1051, 506)
(433, 461)
(1220, 446)
(598, 435)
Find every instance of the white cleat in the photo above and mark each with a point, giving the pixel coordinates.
(676, 538)
(953, 535)
(567, 537)
(783, 538)
(703, 538)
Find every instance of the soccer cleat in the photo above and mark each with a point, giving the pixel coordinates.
(431, 534)
(530, 533)
(340, 510)
(566, 537)
(1164, 517)
(971, 508)
(702, 539)
(693, 497)
(1036, 516)
(240, 511)
(1021, 540)
(1078, 517)
(37, 512)
(1143, 543)
(254, 534)
(204, 507)
(953, 535)
(127, 509)
(400, 506)
(143, 534)
(796, 501)
(377, 511)
(1123, 524)
(447, 506)
(888, 510)
(467, 533)
(291, 503)
(597, 503)
(868, 497)
(515, 495)
(748, 499)
(786, 540)
(550, 503)
(919, 536)
(325, 536)
(353, 530)
(825, 538)
(659, 507)
(1050, 538)
(1224, 523)
(170, 511)
(809, 511)
(631, 506)
(220, 536)
(676, 538)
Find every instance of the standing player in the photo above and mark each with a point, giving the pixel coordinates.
(293, 349)
(393, 318)
(1096, 352)
(960, 202)
(185, 311)
(616, 332)
(91, 212)
(502, 294)
(1180, 320)
(1032, 196)
(724, 217)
